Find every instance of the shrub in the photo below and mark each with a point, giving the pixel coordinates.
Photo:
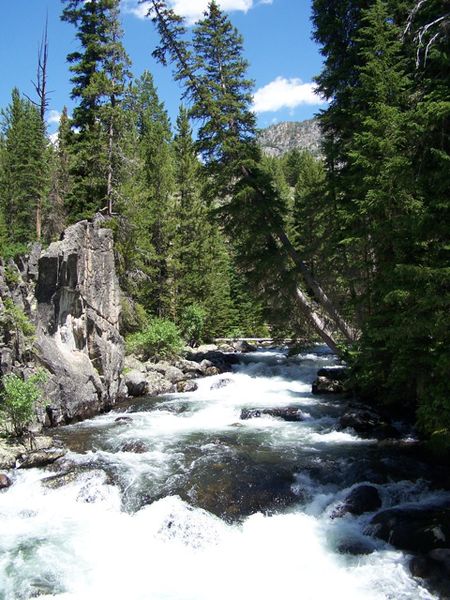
(192, 324)
(19, 400)
(15, 316)
(159, 339)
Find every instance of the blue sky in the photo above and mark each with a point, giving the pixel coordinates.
(277, 36)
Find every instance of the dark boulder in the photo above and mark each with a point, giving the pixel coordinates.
(5, 481)
(286, 413)
(367, 424)
(330, 381)
(418, 530)
(362, 499)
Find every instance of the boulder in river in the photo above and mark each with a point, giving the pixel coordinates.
(40, 458)
(288, 413)
(367, 424)
(330, 380)
(136, 383)
(362, 499)
(5, 481)
(187, 386)
(416, 529)
(134, 446)
(221, 383)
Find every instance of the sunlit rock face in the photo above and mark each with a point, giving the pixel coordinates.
(279, 138)
(78, 307)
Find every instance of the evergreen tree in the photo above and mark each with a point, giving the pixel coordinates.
(100, 71)
(213, 72)
(24, 173)
(61, 180)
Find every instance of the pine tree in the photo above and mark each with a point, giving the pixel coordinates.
(100, 71)
(24, 172)
(213, 72)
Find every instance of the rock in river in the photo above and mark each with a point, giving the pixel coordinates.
(420, 529)
(5, 481)
(286, 413)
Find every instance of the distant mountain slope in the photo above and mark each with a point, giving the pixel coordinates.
(278, 139)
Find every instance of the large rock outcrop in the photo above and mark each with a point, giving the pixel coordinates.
(78, 308)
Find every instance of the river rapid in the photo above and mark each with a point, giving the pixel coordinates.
(184, 500)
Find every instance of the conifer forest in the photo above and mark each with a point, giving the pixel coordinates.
(351, 248)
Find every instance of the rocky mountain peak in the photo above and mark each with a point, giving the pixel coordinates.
(279, 138)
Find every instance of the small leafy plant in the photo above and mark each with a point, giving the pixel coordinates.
(15, 316)
(19, 400)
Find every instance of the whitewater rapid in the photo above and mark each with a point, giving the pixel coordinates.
(129, 524)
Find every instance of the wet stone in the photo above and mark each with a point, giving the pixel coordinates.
(40, 458)
(221, 383)
(362, 499)
(287, 414)
(5, 481)
(135, 446)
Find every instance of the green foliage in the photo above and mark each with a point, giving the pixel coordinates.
(159, 339)
(100, 73)
(19, 400)
(14, 315)
(192, 324)
(133, 317)
(23, 172)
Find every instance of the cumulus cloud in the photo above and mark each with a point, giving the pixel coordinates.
(192, 10)
(285, 93)
(53, 117)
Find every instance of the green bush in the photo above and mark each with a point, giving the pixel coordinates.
(19, 400)
(192, 324)
(13, 315)
(159, 339)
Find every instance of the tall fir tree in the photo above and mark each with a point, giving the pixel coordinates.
(100, 74)
(25, 169)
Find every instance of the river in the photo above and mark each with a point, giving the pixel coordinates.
(181, 499)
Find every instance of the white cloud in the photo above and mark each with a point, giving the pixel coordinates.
(53, 117)
(192, 10)
(285, 93)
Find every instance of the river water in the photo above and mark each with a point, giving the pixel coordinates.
(184, 500)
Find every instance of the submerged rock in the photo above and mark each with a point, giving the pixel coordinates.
(124, 419)
(221, 383)
(237, 487)
(135, 446)
(355, 547)
(287, 414)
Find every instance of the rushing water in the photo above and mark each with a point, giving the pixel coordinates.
(212, 506)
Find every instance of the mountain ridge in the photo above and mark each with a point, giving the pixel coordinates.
(279, 138)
